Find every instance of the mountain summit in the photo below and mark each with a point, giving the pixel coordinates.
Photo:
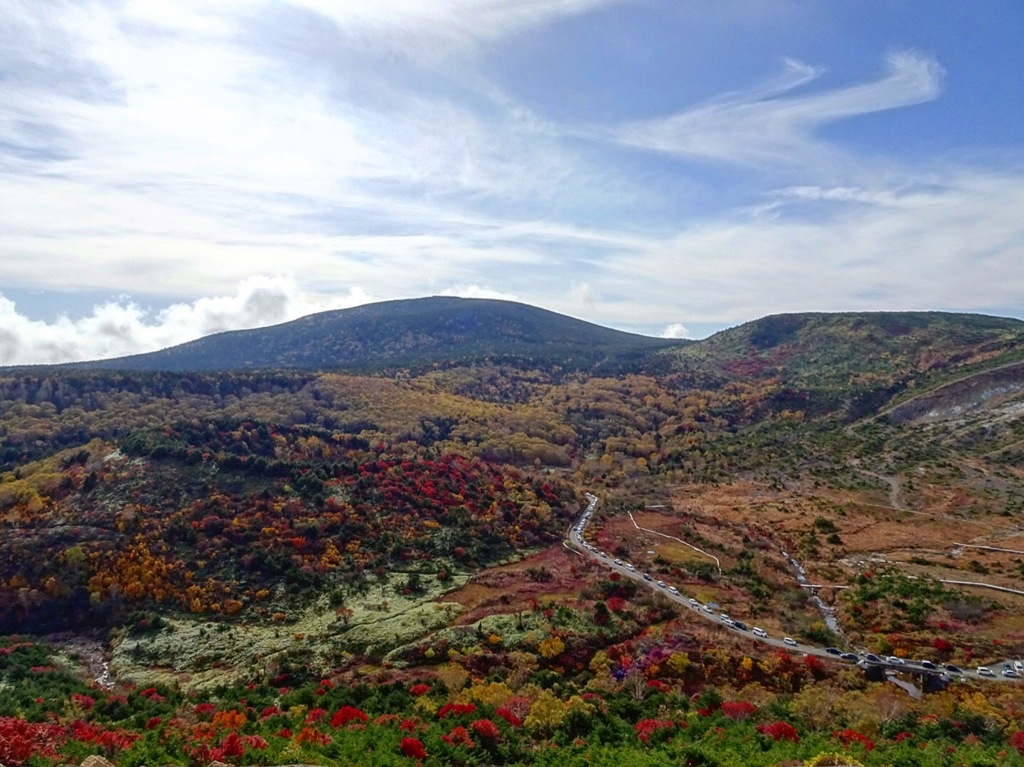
(403, 333)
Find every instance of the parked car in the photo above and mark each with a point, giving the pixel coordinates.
(661, 584)
(618, 561)
(833, 651)
(872, 657)
(1018, 666)
(895, 661)
(675, 591)
(985, 671)
(953, 669)
(1009, 673)
(759, 632)
(707, 609)
(647, 576)
(790, 641)
(850, 656)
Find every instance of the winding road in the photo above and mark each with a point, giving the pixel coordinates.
(576, 540)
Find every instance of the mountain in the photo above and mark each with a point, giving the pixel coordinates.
(853, 361)
(404, 333)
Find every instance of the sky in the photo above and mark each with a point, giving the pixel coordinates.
(174, 168)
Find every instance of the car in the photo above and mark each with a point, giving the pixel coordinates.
(618, 561)
(895, 661)
(1018, 666)
(724, 616)
(1009, 673)
(661, 584)
(953, 669)
(603, 554)
(759, 632)
(985, 671)
(707, 609)
(833, 651)
(850, 656)
(739, 625)
(647, 576)
(692, 601)
(872, 657)
(790, 641)
(729, 622)
(631, 568)
(675, 591)
(928, 665)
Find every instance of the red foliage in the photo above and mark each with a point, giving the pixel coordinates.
(1017, 741)
(455, 708)
(779, 731)
(84, 701)
(232, 745)
(413, 748)
(509, 717)
(347, 714)
(616, 604)
(846, 737)
(20, 740)
(255, 741)
(458, 737)
(154, 722)
(315, 715)
(815, 666)
(486, 729)
(419, 689)
(646, 728)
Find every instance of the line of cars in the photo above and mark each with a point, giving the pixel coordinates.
(1010, 671)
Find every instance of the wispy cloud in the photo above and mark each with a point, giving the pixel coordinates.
(767, 126)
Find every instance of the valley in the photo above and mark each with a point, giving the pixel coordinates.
(388, 541)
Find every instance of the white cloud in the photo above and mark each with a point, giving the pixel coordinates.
(477, 291)
(434, 28)
(675, 330)
(766, 126)
(956, 244)
(119, 328)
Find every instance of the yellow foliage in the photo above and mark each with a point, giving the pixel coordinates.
(551, 647)
(494, 694)
(546, 713)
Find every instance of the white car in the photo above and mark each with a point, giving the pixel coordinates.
(631, 568)
(1018, 666)
(661, 584)
(759, 632)
(674, 590)
(790, 641)
(707, 609)
(618, 561)
(692, 601)
(985, 671)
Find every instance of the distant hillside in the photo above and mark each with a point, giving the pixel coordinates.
(406, 333)
(852, 361)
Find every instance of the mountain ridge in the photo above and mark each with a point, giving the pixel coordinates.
(397, 334)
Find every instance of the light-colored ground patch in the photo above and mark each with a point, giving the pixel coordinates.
(197, 653)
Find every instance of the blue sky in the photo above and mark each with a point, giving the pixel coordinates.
(171, 168)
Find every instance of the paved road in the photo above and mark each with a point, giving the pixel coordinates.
(576, 539)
